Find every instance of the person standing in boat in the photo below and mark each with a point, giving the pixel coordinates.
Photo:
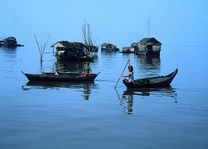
(130, 72)
(87, 69)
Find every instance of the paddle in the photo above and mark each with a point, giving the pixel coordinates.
(122, 73)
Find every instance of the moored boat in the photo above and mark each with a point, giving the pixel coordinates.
(108, 47)
(61, 77)
(9, 42)
(151, 82)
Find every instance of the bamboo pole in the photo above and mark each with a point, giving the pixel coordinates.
(84, 33)
(122, 73)
(41, 48)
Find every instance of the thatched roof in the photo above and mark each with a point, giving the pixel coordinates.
(68, 45)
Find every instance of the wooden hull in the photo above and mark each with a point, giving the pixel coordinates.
(151, 82)
(61, 77)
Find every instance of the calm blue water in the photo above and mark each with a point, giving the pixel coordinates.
(98, 116)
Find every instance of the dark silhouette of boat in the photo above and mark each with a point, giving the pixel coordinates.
(9, 42)
(108, 47)
(151, 82)
(62, 77)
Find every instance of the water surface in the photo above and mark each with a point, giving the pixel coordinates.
(95, 115)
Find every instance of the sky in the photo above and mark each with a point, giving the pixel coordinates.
(173, 22)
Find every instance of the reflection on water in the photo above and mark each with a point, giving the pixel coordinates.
(149, 66)
(128, 96)
(8, 53)
(85, 87)
(8, 61)
(169, 92)
(107, 54)
(69, 66)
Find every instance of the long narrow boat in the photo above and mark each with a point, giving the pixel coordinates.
(151, 82)
(61, 77)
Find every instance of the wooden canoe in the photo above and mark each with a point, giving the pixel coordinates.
(61, 77)
(151, 82)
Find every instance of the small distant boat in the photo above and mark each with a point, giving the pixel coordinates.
(9, 42)
(128, 50)
(62, 77)
(151, 82)
(108, 47)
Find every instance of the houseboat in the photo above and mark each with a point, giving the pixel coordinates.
(108, 47)
(92, 48)
(128, 50)
(9, 42)
(148, 46)
(71, 51)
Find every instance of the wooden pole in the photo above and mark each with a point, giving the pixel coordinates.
(41, 48)
(122, 73)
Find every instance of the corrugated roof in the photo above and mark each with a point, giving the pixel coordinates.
(152, 39)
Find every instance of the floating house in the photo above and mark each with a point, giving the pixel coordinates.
(9, 42)
(148, 46)
(71, 51)
(92, 48)
(128, 50)
(108, 47)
